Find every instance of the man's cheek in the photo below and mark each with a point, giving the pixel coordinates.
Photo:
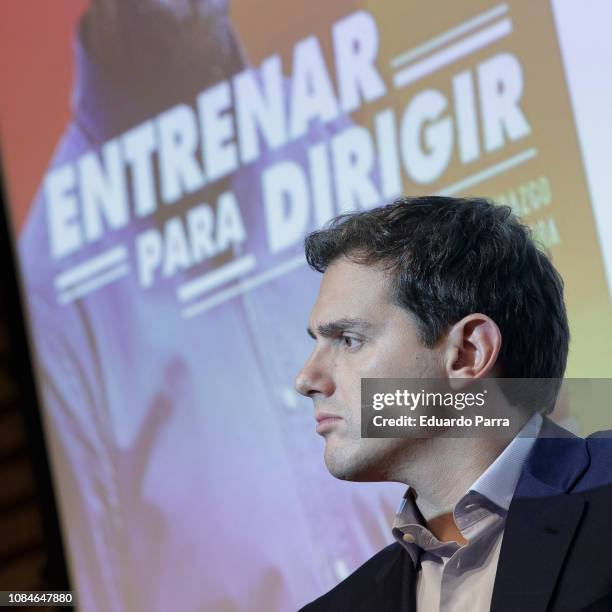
(374, 362)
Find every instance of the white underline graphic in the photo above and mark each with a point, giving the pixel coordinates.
(243, 287)
(211, 280)
(91, 267)
(488, 173)
(456, 32)
(93, 283)
(452, 53)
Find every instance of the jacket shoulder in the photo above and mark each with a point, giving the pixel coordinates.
(600, 450)
(599, 471)
(348, 594)
(605, 434)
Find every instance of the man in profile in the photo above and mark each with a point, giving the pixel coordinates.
(448, 288)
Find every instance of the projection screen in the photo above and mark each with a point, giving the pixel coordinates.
(163, 161)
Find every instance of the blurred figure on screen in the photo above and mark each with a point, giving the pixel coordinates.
(177, 444)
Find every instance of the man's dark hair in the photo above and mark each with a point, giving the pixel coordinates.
(449, 257)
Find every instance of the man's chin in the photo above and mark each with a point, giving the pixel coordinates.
(364, 461)
(345, 467)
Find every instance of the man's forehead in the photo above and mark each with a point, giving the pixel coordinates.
(350, 291)
(346, 272)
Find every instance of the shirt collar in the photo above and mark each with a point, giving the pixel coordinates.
(498, 482)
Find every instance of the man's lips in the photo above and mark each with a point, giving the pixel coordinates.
(325, 421)
(321, 416)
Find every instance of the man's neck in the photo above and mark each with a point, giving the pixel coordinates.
(458, 464)
(440, 471)
(445, 529)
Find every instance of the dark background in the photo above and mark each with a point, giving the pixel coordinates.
(31, 552)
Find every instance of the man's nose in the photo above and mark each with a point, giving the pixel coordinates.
(314, 378)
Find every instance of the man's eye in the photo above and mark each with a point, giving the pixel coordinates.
(350, 342)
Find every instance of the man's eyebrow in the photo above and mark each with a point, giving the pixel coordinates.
(333, 329)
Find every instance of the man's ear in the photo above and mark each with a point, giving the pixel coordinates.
(472, 346)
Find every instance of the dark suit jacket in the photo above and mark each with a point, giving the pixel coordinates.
(556, 552)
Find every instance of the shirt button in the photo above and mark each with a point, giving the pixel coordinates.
(408, 537)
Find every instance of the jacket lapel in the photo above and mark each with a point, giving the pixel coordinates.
(541, 522)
